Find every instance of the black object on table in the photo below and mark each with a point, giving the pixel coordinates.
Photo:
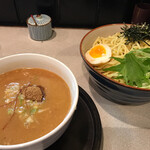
(85, 129)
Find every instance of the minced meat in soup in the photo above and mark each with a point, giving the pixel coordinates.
(33, 102)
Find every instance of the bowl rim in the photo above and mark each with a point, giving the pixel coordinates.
(98, 73)
(67, 117)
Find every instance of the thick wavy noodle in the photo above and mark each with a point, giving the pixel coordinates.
(117, 44)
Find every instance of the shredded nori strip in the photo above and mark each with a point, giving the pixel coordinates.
(136, 32)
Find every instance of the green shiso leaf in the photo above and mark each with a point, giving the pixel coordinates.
(133, 67)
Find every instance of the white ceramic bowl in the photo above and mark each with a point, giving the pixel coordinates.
(45, 62)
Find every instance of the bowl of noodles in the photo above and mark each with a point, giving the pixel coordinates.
(118, 65)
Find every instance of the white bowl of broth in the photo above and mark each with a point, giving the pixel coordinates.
(29, 121)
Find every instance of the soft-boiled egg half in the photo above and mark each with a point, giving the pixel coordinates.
(98, 54)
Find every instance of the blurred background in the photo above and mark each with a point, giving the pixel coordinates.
(69, 13)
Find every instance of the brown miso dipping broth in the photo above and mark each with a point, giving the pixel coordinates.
(33, 102)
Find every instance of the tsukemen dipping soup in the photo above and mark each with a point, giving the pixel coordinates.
(33, 102)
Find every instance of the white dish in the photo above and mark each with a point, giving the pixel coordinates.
(45, 62)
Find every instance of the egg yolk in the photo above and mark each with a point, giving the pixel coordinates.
(97, 51)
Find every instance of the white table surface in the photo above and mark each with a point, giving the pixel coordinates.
(124, 127)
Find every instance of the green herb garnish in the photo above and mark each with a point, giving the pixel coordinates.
(10, 111)
(21, 98)
(136, 32)
(33, 111)
(134, 68)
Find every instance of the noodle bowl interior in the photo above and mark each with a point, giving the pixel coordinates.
(33, 102)
(119, 49)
